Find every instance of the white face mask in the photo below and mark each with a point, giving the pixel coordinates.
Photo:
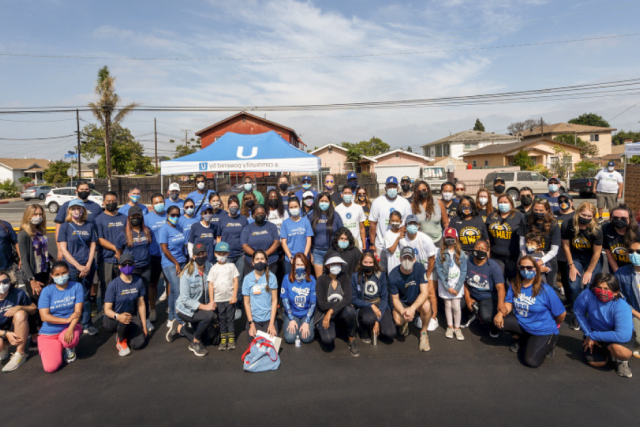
(4, 288)
(407, 264)
(200, 185)
(221, 259)
(610, 168)
(447, 196)
(335, 269)
(483, 201)
(36, 220)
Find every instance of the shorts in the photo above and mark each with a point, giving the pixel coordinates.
(156, 268)
(318, 256)
(8, 326)
(606, 200)
(601, 354)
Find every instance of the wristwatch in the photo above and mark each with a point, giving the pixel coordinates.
(115, 316)
(250, 322)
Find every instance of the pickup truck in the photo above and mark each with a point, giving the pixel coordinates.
(584, 186)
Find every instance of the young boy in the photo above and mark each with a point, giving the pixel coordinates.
(533, 245)
(223, 290)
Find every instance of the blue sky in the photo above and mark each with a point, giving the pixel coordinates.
(327, 29)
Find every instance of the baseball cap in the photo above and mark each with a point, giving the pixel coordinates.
(306, 178)
(126, 257)
(451, 233)
(352, 175)
(222, 247)
(407, 251)
(307, 194)
(498, 178)
(76, 202)
(392, 180)
(411, 218)
(199, 248)
(174, 186)
(566, 196)
(611, 163)
(405, 178)
(135, 210)
(335, 260)
(554, 178)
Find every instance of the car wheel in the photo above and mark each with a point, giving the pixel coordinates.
(514, 194)
(585, 195)
(53, 207)
(26, 200)
(41, 196)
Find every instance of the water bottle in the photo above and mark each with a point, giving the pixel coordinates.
(375, 339)
(297, 341)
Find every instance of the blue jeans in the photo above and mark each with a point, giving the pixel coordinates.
(576, 285)
(318, 256)
(74, 276)
(174, 281)
(291, 338)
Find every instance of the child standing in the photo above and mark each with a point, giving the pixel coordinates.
(451, 267)
(392, 239)
(223, 290)
(534, 248)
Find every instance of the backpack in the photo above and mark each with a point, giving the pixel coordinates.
(212, 335)
(261, 356)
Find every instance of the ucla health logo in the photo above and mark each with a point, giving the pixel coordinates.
(203, 166)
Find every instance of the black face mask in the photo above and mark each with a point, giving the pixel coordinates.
(259, 266)
(84, 195)
(526, 200)
(406, 187)
(538, 215)
(251, 204)
(583, 221)
(283, 187)
(273, 203)
(260, 219)
(499, 189)
(620, 223)
(367, 269)
(480, 254)
(111, 206)
(424, 194)
(135, 221)
(201, 260)
(353, 185)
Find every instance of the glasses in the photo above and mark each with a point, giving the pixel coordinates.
(190, 207)
(634, 251)
(527, 267)
(174, 216)
(459, 189)
(5, 281)
(617, 218)
(329, 182)
(127, 264)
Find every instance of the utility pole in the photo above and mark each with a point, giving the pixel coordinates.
(541, 128)
(155, 131)
(186, 140)
(78, 125)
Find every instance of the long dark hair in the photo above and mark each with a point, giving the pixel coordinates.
(128, 232)
(368, 254)
(266, 260)
(280, 207)
(496, 214)
(244, 209)
(548, 220)
(537, 281)
(317, 214)
(338, 234)
(631, 235)
(416, 203)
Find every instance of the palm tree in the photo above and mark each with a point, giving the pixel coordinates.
(104, 108)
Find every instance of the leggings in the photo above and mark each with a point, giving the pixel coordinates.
(132, 332)
(262, 327)
(347, 315)
(536, 347)
(564, 278)
(453, 312)
(367, 318)
(34, 321)
(200, 321)
(50, 348)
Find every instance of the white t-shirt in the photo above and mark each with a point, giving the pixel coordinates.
(222, 277)
(274, 218)
(422, 246)
(352, 217)
(608, 181)
(393, 259)
(454, 276)
(381, 208)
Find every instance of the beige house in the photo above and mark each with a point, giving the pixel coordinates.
(456, 145)
(444, 161)
(599, 136)
(397, 157)
(334, 159)
(14, 169)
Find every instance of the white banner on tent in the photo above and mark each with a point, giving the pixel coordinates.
(262, 165)
(632, 149)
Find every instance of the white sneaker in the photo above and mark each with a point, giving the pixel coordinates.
(433, 325)
(163, 297)
(169, 322)
(449, 333)
(636, 352)
(16, 361)
(91, 330)
(458, 334)
(238, 314)
(152, 315)
(4, 354)
(150, 326)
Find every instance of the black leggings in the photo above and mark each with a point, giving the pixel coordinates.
(200, 321)
(564, 279)
(34, 321)
(367, 318)
(536, 347)
(262, 327)
(508, 266)
(132, 332)
(346, 315)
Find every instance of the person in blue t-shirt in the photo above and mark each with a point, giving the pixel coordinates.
(306, 187)
(124, 309)
(204, 232)
(324, 222)
(606, 320)
(155, 220)
(78, 239)
(134, 200)
(171, 241)
(218, 208)
(553, 194)
(230, 230)
(260, 235)
(295, 234)
(188, 218)
(260, 294)
(109, 225)
(201, 194)
(174, 197)
(15, 309)
(298, 295)
(532, 314)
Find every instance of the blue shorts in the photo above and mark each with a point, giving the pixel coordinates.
(318, 256)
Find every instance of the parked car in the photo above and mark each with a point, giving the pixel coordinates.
(585, 186)
(58, 196)
(514, 181)
(35, 192)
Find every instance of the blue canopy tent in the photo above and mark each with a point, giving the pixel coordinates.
(233, 152)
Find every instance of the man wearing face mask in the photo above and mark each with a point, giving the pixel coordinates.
(553, 194)
(306, 187)
(461, 190)
(134, 200)
(629, 278)
(608, 187)
(352, 181)
(498, 188)
(174, 197)
(248, 187)
(110, 225)
(283, 189)
(381, 209)
(200, 196)
(405, 185)
(526, 202)
(154, 220)
(330, 187)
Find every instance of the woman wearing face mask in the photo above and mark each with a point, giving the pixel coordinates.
(260, 235)
(526, 202)
(468, 224)
(507, 232)
(333, 293)
(295, 234)
(15, 310)
(619, 234)
(60, 306)
(451, 268)
(343, 245)
(230, 231)
(187, 219)
(218, 208)
(531, 314)
(450, 203)
(405, 186)
(171, 239)
(276, 212)
(606, 321)
(308, 200)
(260, 294)
(124, 309)
(248, 205)
(628, 277)
(325, 223)
(429, 211)
(78, 238)
(204, 232)
(34, 256)
(298, 295)
(582, 244)
(390, 256)
(362, 199)
(155, 219)
(542, 220)
(484, 206)
(283, 189)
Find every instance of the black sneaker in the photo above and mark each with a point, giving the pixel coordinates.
(493, 331)
(574, 324)
(515, 346)
(366, 336)
(551, 353)
(354, 349)
(198, 349)
(173, 333)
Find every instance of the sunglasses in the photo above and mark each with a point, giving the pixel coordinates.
(329, 182)
(617, 218)
(174, 216)
(127, 264)
(190, 207)
(527, 267)
(631, 251)
(5, 281)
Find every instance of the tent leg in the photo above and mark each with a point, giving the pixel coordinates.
(162, 185)
(215, 182)
(624, 187)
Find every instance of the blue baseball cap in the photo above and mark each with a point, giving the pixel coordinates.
(76, 202)
(222, 247)
(306, 178)
(352, 175)
(612, 163)
(392, 180)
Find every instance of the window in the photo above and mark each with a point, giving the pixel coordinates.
(568, 160)
(537, 177)
(330, 149)
(486, 162)
(439, 151)
(475, 164)
(446, 149)
(397, 155)
(524, 176)
(467, 147)
(595, 137)
(507, 176)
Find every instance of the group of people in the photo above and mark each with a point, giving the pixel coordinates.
(322, 264)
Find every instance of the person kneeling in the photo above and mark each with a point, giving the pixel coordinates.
(124, 308)
(607, 323)
(15, 309)
(260, 295)
(193, 305)
(299, 299)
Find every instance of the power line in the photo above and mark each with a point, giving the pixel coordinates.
(36, 139)
(35, 121)
(618, 115)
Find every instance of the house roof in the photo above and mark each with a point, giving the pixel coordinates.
(244, 113)
(473, 136)
(379, 156)
(507, 148)
(564, 128)
(371, 159)
(24, 164)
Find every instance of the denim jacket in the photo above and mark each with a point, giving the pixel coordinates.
(625, 276)
(443, 269)
(191, 288)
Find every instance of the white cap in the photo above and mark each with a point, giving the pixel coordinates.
(174, 186)
(335, 260)
(307, 194)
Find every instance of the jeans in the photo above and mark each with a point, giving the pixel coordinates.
(318, 256)
(487, 310)
(367, 318)
(173, 279)
(87, 281)
(262, 326)
(290, 338)
(536, 347)
(200, 321)
(132, 332)
(508, 266)
(347, 316)
(576, 285)
(226, 317)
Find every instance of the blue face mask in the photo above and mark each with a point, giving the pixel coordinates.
(306, 185)
(135, 199)
(248, 187)
(504, 207)
(159, 208)
(526, 274)
(553, 188)
(392, 192)
(189, 211)
(61, 280)
(323, 206)
(173, 220)
(348, 198)
(342, 244)
(301, 274)
(635, 259)
(412, 228)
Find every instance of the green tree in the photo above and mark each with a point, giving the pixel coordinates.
(590, 119)
(523, 160)
(478, 126)
(587, 149)
(104, 109)
(25, 179)
(618, 138)
(585, 169)
(56, 173)
(409, 150)
(189, 147)
(562, 166)
(369, 148)
(127, 154)
(354, 155)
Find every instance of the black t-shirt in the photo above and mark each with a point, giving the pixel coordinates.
(615, 243)
(482, 213)
(452, 209)
(504, 234)
(553, 237)
(562, 218)
(469, 231)
(582, 244)
(335, 198)
(526, 214)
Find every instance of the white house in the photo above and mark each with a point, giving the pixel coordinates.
(14, 169)
(456, 145)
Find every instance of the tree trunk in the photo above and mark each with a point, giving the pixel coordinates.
(107, 149)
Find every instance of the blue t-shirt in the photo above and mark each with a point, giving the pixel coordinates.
(139, 250)
(93, 210)
(110, 228)
(8, 240)
(296, 234)
(124, 296)
(61, 304)
(536, 315)
(322, 239)
(217, 216)
(553, 202)
(155, 223)
(482, 279)
(299, 194)
(230, 230)
(179, 203)
(174, 239)
(124, 209)
(604, 321)
(186, 224)
(260, 237)
(79, 239)
(301, 295)
(407, 286)
(205, 235)
(197, 197)
(259, 297)
(15, 298)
